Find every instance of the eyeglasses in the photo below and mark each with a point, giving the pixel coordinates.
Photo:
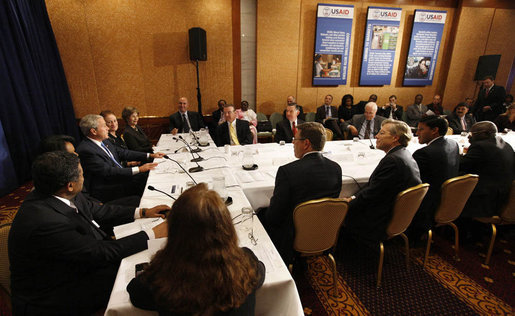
(294, 139)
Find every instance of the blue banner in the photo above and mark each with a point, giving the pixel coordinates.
(334, 26)
(381, 36)
(425, 42)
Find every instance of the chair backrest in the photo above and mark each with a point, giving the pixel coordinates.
(5, 274)
(275, 118)
(455, 193)
(317, 223)
(310, 117)
(508, 211)
(328, 134)
(450, 131)
(261, 116)
(405, 206)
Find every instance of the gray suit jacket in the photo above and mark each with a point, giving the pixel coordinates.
(359, 119)
(414, 115)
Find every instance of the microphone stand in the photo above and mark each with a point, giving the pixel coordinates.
(197, 141)
(371, 144)
(151, 188)
(194, 169)
(191, 150)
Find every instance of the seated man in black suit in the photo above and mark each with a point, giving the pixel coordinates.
(291, 100)
(327, 115)
(106, 178)
(311, 177)
(371, 210)
(184, 121)
(61, 262)
(233, 131)
(391, 109)
(286, 129)
(436, 105)
(364, 126)
(460, 120)
(492, 160)
(360, 107)
(437, 162)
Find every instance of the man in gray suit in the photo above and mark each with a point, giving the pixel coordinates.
(364, 126)
(415, 112)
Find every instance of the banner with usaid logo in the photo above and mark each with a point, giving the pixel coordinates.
(426, 37)
(333, 31)
(381, 37)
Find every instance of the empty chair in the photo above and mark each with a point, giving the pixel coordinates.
(455, 193)
(275, 118)
(328, 134)
(406, 205)
(310, 117)
(506, 217)
(317, 224)
(261, 116)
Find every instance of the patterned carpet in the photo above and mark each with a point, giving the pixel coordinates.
(444, 287)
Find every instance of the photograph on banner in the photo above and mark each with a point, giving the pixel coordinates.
(332, 43)
(327, 65)
(426, 37)
(380, 43)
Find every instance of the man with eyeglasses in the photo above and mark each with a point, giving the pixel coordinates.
(311, 177)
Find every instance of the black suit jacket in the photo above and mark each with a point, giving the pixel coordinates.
(320, 114)
(371, 210)
(397, 114)
(437, 162)
(309, 178)
(137, 140)
(301, 115)
(195, 119)
(455, 123)
(59, 265)
(283, 131)
(359, 119)
(492, 160)
(494, 99)
(242, 131)
(102, 178)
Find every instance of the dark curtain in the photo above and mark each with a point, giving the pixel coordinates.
(34, 98)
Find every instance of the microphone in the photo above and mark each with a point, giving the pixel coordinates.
(178, 149)
(197, 150)
(371, 144)
(191, 151)
(151, 188)
(194, 169)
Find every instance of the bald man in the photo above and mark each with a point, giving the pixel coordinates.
(184, 121)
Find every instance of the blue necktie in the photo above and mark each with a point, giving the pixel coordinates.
(110, 155)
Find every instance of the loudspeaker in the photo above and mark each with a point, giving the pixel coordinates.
(487, 66)
(198, 47)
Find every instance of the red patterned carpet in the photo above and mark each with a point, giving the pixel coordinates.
(444, 287)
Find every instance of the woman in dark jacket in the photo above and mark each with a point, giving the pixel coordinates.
(201, 270)
(133, 135)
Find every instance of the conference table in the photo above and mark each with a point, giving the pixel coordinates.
(278, 295)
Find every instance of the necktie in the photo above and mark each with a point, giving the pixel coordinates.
(367, 130)
(327, 111)
(234, 137)
(293, 128)
(185, 125)
(463, 124)
(110, 155)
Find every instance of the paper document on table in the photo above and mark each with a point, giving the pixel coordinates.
(230, 180)
(246, 177)
(154, 245)
(264, 254)
(135, 227)
(272, 173)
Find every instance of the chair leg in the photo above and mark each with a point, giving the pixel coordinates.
(428, 246)
(380, 268)
(456, 241)
(335, 278)
(491, 246)
(406, 246)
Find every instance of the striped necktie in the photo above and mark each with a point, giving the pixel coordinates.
(110, 155)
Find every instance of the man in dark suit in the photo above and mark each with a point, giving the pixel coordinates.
(233, 131)
(218, 117)
(360, 107)
(184, 121)
(364, 126)
(61, 262)
(415, 112)
(437, 162)
(371, 210)
(492, 160)
(291, 100)
(391, 109)
(460, 120)
(106, 178)
(327, 115)
(286, 129)
(311, 177)
(489, 101)
(436, 106)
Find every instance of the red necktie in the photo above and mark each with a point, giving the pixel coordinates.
(293, 129)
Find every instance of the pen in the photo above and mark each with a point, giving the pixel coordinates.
(173, 188)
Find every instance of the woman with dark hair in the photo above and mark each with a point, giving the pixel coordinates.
(347, 108)
(506, 120)
(201, 270)
(112, 124)
(133, 135)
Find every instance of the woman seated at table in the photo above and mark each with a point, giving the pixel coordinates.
(506, 121)
(244, 113)
(112, 124)
(133, 135)
(201, 270)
